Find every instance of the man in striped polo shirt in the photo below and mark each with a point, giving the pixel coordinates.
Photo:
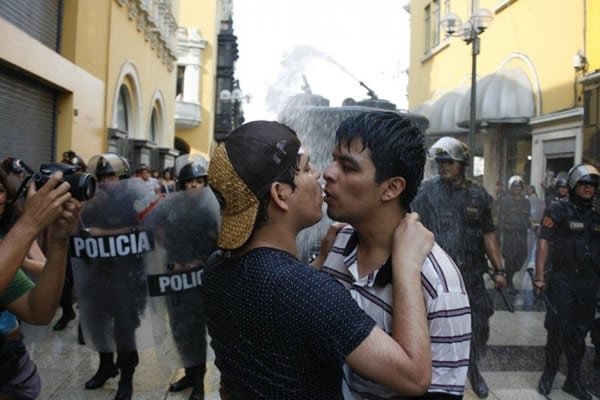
(377, 167)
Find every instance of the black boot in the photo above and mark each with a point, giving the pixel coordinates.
(80, 338)
(545, 382)
(477, 382)
(67, 316)
(197, 382)
(551, 360)
(107, 370)
(574, 387)
(125, 389)
(126, 361)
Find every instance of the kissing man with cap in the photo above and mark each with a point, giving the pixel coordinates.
(279, 328)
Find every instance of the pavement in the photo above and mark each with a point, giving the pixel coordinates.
(512, 365)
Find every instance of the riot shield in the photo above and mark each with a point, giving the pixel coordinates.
(107, 257)
(186, 227)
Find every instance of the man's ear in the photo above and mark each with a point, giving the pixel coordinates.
(393, 188)
(279, 195)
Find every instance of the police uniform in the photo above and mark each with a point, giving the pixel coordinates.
(109, 271)
(573, 228)
(459, 217)
(459, 213)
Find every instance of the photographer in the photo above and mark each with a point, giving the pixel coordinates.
(50, 206)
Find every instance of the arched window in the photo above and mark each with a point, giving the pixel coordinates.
(154, 125)
(123, 109)
(127, 103)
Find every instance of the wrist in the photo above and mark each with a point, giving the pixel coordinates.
(500, 272)
(25, 229)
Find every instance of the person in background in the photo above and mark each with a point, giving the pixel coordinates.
(572, 284)
(167, 181)
(378, 163)
(459, 213)
(66, 299)
(279, 328)
(514, 219)
(561, 189)
(537, 209)
(143, 172)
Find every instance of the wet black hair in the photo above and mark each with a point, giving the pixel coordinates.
(396, 144)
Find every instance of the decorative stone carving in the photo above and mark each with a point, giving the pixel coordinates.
(155, 19)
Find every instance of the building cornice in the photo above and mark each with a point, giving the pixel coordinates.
(156, 21)
(572, 113)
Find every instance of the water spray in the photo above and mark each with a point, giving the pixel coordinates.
(306, 87)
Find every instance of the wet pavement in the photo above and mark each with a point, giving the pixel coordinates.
(511, 366)
(65, 366)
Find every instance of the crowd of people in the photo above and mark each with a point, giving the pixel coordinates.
(394, 305)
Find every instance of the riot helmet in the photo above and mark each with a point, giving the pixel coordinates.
(582, 173)
(110, 163)
(516, 180)
(189, 171)
(450, 149)
(561, 181)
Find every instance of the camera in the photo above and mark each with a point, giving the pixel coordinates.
(83, 185)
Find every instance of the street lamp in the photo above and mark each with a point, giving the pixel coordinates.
(234, 98)
(469, 31)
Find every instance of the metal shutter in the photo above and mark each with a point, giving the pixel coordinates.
(27, 119)
(38, 18)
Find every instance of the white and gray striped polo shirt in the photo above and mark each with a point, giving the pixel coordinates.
(448, 314)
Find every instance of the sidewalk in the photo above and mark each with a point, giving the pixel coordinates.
(512, 366)
(65, 366)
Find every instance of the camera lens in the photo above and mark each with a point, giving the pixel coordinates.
(83, 186)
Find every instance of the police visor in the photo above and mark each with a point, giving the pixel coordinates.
(589, 180)
(442, 156)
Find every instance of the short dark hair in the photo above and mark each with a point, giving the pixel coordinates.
(396, 144)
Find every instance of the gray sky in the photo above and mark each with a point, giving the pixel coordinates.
(334, 43)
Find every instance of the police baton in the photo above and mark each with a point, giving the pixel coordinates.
(507, 301)
(543, 295)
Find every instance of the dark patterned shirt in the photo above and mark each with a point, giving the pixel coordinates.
(280, 329)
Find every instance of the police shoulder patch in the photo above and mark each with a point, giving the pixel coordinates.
(547, 222)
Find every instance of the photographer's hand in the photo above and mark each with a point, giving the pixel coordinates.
(41, 208)
(67, 223)
(44, 206)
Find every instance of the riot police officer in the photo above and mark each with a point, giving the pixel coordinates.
(191, 338)
(186, 225)
(513, 221)
(562, 189)
(458, 211)
(192, 176)
(110, 278)
(573, 227)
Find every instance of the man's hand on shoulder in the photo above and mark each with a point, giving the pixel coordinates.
(412, 240)
(327, 243)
